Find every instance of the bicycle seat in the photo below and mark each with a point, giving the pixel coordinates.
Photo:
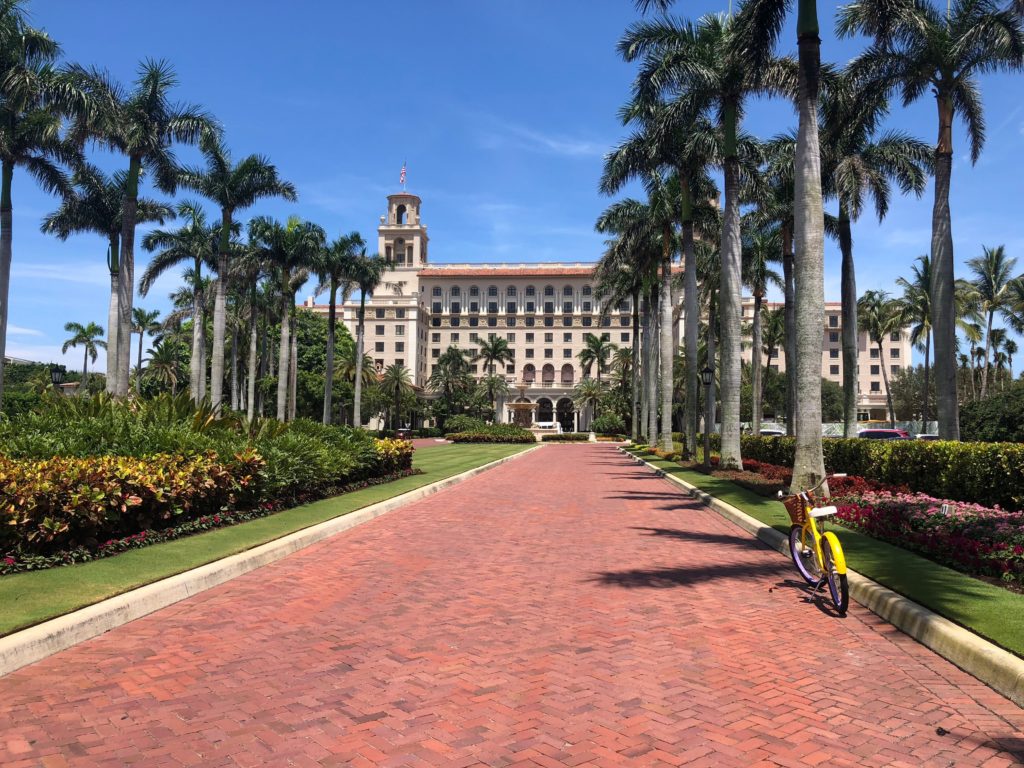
(823, 511)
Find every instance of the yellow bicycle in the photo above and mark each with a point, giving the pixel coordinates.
(817, 554)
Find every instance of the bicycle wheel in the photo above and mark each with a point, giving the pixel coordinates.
(839, 589)
(801, 548)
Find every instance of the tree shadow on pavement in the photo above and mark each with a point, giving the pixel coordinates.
(711, 538)
(682, 576)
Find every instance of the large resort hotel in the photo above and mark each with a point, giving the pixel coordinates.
(545, 311)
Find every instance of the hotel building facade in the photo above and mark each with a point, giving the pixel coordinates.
(543, 310)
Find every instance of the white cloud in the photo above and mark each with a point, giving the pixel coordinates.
(17, 330)
(501, 134)
(92, 274)
(45, 353)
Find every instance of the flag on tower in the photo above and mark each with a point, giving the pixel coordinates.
(401, 176)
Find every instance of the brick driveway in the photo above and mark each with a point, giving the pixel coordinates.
(568, 608)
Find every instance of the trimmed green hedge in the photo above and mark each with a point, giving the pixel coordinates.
(984, 473)
(494, 433)
(567, 437)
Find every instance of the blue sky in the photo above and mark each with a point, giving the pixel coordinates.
(503, 112)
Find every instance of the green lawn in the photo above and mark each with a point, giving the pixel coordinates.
(29, 598)
(987, 610)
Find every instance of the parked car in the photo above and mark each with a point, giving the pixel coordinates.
(884, 434)
(927, 436)
(772, 432)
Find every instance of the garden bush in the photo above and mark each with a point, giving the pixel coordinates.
(567, 437)
(608, 424)
(494, 433)
(463, 423)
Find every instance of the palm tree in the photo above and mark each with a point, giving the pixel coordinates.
(588, 393)
(451, 376)
(290, 249)
(233, 188)
(596, 350)
(880, 316)
(30, 123)
(918, 312)
(395, 383)
(856, 165)
(919, 50)
(194, 243)
(143, 322)
(333, 265)
(93, 204)
(773, 333)
(366, 272)
(162, 364)
(87, 336)
(493, 351)
(993, 277)
(760, 248)
(719, 64)
(141, 124)
(346, 366)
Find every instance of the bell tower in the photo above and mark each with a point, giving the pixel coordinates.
(401, 237)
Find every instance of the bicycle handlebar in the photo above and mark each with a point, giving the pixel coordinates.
(815, 487)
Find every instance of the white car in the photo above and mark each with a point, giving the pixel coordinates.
(772, 433)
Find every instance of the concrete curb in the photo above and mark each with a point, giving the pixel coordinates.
(997, 668)
(37, 642)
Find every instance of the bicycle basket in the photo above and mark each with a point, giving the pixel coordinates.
(796, 508)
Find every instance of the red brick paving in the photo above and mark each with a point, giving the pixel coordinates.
(568, 608)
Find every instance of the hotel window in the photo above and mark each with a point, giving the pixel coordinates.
(378, 346)
(874, 353)
(587, 306)
(474, 291)
(510, 322)
(510, 291)
(624, 337)
(833, 321)
(606, 337)
(623, 306)
(894, 352)
(492, 306)
(548, 354)
(510, 369)
(531, 306)
(455, 338)
(567, 321)
(624, 322)
(549, 338)
(456, 291)
(400, 314)
(399, 330)
(567, 307)
(833, 336)
(380, 330)
(456, 307)
(894, 336)
(833, 353)
(605, 322)
(894, 369)
(549, 307)
(875, 386)
(531, 291)
(473, 337)
(510, 307)
(474, 306)
(490, 336)
(436, 291)
(586, 290)
(549, 322)
(492, 322)
(587, 322)
(436, 307)
(399, 346)
(492, 290)
(529, 338)
(875, 370)
(833, 370)
(435, 322)
(530, 321)
(567, 290)
(435, 338)
(379, 314)
(567, 338)
(399, 361)
(549, 290)
(454, 322)
(529, 353)
(510, 338)
(567, 353)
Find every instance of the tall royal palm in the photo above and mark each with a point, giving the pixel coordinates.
(917, 311)
(89, 337)
(194, 244)
(920, 49)
(880, 316)
(233, 187)
(333, 265)
(30, 129)
(93, 205)
(144, 323)
(595, 353)
(993, 279)
(493, 351)
(760, 249)
(395, 384)
(367, 273)
(719, 63)
(857, 165)
(141, 124)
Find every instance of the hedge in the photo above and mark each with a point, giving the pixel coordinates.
(991, 474)
(567, 437)
(494, 433)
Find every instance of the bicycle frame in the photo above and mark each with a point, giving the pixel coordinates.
(810, 527)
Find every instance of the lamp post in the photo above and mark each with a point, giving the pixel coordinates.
(57, 376)
(708, 377)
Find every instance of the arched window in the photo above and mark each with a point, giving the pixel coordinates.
(547, 374)
(400, 251)
(545, 410)
(549, 290)
(567, 291)
(400, 214)
(586, 290)
(529, 372)
(568, 373)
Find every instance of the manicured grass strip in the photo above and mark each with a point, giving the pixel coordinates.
(35, 596)
(994, 613)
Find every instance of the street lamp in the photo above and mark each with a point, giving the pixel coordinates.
(708, 377)
(57, 376)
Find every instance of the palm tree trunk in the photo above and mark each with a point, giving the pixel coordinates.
(357, 395)
(250, 393)
(220, 312)
(849, 310)
(634, 427)
(668, 344)
(653, 374)
(329, 370)
(202, 355)
(645, 329)
(138, 368)
(789, 331)
(293, 370)
(6, 223)
(888, 394)
(924, 400)
(126, 272)
(809, 271)
(85, 371)
(988, 352)
(113, 314)
(691, 320)
(282, 360)
(235, 403)
(942, 287)
(712, 352)
(755, 368)
(196, 361)
(729, 299)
